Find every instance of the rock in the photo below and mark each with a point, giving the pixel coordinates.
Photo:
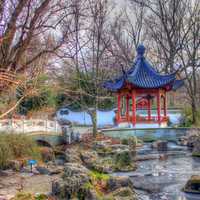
(3, 173)
(42, 170)
(89, 158)
(192, 135)
(91, 195)
(160, 145)
(118, 182)
(191, 140)
(132, 143)
(193, 185)
(92, 161)
(124, 193)
(54, 169)
(60, 162)
(15, 165)
(47, 154)
(60, 157)
(196, 149)
(119, 147)
(74, 177)
(72, 155)
(163, 157)
(183, 141)
(102, 148)
(123, 162)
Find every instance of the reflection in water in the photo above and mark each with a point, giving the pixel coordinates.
(163, 134)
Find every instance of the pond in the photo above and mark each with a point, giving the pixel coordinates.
(148, 134)
(164, 180)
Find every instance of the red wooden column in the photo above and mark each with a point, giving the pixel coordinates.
(149, 109)
(127, 108)
(165, 105)
(158, 106)
(118, 107)
(133, 107)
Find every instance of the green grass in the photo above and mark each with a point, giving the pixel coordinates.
(95, 175)
(196, 154)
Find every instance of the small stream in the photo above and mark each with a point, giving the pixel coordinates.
(164, 179)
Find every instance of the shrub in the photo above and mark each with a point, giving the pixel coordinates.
(124, 141)
(23, 196)
(17, 146)
(98, 176)
(41, 197)
(122, 159)
(187, 117)
(5, 153)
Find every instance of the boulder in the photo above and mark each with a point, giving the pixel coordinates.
(160, 145)
(92, 161)
(89, 158)
(91, 194)
(47, 154)
(42, 170)
(132, 143)
(191, 140)
(74, 177)
(196, 149)
(193, 185)
(183, 141)
(15, 165)
(192, 135)
(72, 155)
(124, 193)
(118, 182)
(123, 162)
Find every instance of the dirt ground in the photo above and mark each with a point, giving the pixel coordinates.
(13, 182)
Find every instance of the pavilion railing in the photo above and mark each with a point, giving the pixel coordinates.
(144, 119)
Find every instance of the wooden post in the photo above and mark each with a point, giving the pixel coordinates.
(127, 108)
(149, 109)
(133, 107)
(118, 108)
(158, 107)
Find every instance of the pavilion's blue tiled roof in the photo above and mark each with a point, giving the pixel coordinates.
(143, 75)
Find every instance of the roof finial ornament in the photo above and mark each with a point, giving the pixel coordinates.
(140, 50)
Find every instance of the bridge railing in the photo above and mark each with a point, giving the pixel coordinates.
(31, 125)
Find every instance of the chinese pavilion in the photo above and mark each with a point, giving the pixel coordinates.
(140, 88)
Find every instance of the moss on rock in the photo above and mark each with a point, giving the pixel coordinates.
(193, 185)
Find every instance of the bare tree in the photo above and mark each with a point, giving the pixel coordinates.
(164, 21)
(86, 56)
(21, 24)
(29, 31)
(190, 56)
(127, 31)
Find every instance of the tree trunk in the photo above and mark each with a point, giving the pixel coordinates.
(94, 122)
(194, 111)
